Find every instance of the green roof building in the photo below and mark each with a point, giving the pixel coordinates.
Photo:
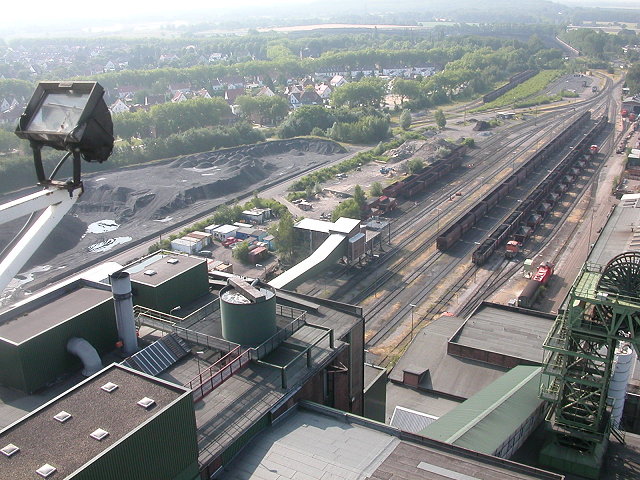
(496, 420)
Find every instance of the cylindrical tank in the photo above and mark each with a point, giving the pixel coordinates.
(245, 320)
(123, 302)
(625, 360)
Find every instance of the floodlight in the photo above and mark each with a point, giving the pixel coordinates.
(70, 116)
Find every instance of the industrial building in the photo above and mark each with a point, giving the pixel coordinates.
(119, 423)
(246, 352)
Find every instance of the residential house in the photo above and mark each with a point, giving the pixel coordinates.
(179, 97)
(4, 106)
(337, 81)
(294, 100)
(233, 82)
(217, 85)
(202, 93)
(291, 89)
(183, 87)
(310, 97)
(119, 106)
(364, 72)
(167, 58)
(231, 94)
(265, 92)
(127, 91)
(151, 100)
(109, 67)
(324, 91)
(331, 71)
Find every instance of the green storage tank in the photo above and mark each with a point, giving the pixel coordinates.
(248, 312)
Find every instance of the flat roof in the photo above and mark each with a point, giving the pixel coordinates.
(448, 374)
(318, 442)
(342, 225)
(621, 233)
(165, 270)
(22, 323)
(486, 420)
(67, 446)
(506, 330)
(226, 413)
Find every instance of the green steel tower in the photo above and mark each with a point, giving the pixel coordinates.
(603, 309)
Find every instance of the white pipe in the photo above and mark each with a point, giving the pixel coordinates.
(123, 303)
(85, 351)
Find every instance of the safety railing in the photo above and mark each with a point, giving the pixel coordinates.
(212, 377)
(280, 336)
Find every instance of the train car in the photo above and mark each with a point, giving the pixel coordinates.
(522, 234)
(529, 293)
(483, 252)
(501, 233)
(466, 222)
(449, 237)
(594, 149)
(394, 189)
(544, 272)
(534, 220)
(512, 249)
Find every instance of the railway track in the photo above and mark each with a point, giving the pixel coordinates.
(435, 277)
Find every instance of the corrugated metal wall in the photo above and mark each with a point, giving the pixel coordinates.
(163, 449)
(45, 357)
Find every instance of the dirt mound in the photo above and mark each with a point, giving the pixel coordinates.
(64, 236)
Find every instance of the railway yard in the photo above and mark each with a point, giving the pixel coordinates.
(538, 179)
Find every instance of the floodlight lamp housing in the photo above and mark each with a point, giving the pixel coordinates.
(70, 116)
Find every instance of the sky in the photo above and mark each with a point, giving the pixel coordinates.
(48, 12)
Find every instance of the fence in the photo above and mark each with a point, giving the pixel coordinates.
(280, 336)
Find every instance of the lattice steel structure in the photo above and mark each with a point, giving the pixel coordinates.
(603, 309)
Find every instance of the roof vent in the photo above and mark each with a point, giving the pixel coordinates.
(109, 387)
(46, 470)
(173, 261)
(147, 402)
(150, 272)
(62, 416)
(10, 450)
(99, 434)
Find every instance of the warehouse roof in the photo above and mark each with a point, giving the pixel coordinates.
(486, 420)
(318, 442)
(68, 445)
(621, 232)
(156, 269)
(47, 311)
(446, 374)
(509, 331)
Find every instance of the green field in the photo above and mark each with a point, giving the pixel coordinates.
(523, 91)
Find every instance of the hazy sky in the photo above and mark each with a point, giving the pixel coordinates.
(47, 11)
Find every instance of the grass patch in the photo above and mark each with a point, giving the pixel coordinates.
(523, 91)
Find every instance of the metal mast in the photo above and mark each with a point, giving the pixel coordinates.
(603, 309)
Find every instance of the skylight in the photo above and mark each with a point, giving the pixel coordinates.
(46, 470)
(150, 272)
(109, 387)
(9, 450)
(146, 402)
(62, 416)
(99, 434)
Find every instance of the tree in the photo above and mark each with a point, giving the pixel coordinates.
(376, 189)
(405, 119)
(349, 208)
(415, 165)
(633, 79)
(241, 251)
(284, 235)
(440, 119)
(358, 196)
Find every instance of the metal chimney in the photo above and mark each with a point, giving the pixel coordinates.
(122, 300)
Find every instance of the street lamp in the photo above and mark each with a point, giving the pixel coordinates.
(375, 294)
(412, 305)
(175, 309)
(258, 265)
(197, 354)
